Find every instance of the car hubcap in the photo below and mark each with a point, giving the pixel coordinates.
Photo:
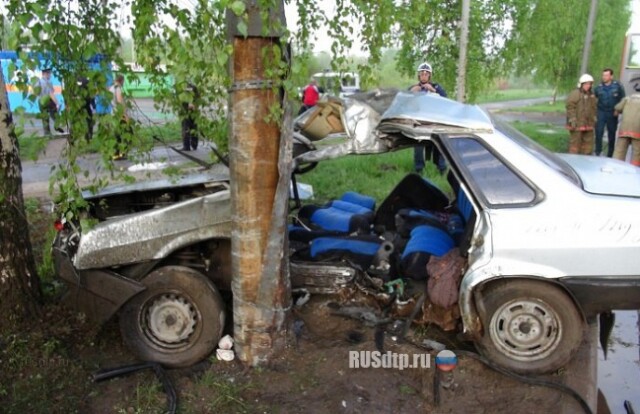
(526, 329)
(169, 320)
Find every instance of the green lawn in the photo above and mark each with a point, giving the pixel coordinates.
(558, 107)
(550, 136)
(513, 95)
(373, 175)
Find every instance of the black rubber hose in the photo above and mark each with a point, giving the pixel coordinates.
(106, 374)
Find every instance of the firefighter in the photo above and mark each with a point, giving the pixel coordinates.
(581, 116)
(629, 132)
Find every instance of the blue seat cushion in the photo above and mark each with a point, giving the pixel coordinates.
(344, 217)
(425, 241)
(359, 199)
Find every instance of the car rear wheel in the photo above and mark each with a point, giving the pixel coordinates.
(530, 327)
(177, 321)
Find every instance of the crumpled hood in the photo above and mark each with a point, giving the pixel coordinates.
(605, 176)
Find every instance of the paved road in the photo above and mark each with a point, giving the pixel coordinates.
(498, 110)
(35, 174)
(143, 111)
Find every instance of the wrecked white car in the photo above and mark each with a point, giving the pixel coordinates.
(546, 241)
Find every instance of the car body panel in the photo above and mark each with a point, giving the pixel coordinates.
(434, 109)
(606, 176)
(154, 234)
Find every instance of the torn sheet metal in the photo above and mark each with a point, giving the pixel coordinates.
(359, 121)
(435, 109)
(153, 234)
(383, 120)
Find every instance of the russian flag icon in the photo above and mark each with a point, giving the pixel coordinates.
(446, 360)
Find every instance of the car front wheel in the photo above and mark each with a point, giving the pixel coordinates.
(530, 327)
(177, 321)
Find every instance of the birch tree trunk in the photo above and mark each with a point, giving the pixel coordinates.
(260, 154)
(20, 294)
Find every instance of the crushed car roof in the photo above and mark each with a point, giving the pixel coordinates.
(383, 120)
(430, 108)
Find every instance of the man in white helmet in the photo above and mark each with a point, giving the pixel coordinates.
(425, 85)
(581, 116)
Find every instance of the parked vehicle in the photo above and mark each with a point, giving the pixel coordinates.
(550, 240)
(341, 84)
(630, 70)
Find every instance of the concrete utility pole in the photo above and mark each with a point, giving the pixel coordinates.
(260, 174)
(586, 50)
(462, 61)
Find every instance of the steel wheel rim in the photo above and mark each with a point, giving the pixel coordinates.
(169, 320)
(526, 329)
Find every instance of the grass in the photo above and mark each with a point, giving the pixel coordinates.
(558, 107)
(42, 234)
(513, 95)
(373, 175)
(550, 136)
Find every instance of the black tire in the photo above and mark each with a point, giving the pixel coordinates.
(177, 321)
(546, 328)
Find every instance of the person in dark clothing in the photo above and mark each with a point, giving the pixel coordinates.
(188, 116)
(609, 94)
(89, 105)
(427, 150)
(120, 109)
(48, 103)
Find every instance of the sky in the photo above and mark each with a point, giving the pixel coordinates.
(322, 43)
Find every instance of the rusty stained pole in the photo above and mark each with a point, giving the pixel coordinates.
(260, 174)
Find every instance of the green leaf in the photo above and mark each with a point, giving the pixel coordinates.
(242, 28)
(238, 7)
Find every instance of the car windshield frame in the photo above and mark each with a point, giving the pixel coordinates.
(538, 151)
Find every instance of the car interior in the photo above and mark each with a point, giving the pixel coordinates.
(395, 240)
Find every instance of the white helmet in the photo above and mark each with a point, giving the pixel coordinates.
(586, 78)
(425, 66)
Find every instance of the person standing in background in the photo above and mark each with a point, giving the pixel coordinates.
(427, 150)
(629, 133)
(119, 109)
(48, 103)
(609, 94)
(310, 96)
(188, 119)
(581, 116)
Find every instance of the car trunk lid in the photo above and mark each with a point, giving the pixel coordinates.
(605, 176)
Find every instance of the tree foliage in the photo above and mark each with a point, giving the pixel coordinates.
(429, 31)
(549, 39)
